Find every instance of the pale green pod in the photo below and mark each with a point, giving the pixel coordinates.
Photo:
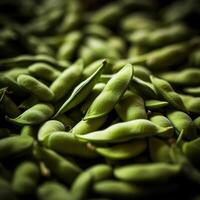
(155, 104)
(48, 128)
(191, 149)
(147, 173)
(123, 190)
(168, 93)
(29, 130)
(26, 60)
(8, 106)
(15, 72)
(123, 151)
(44, 71)
(92, 67)
(142, 72)
(35, 87)
(65, 143)
(25, 178)
(97, 30)
(191, 103)
(53, 191)
(164, 122)
(98, 88)
(15, 145)
(117, 43)
(164, 36)
(67, 80)
(100, 172)
(182, 122)
(87, 126)
(81, 186)
(124, 131)
(64, 169)
(197, 122)
(111, 94)
(35, 115)
(143, 87)
(81, 91)
(188, 77)
(166, 57)
(130, 107)
(69, 46)
(194, 91)
(137, 21)
(159, 150)
(108, 14)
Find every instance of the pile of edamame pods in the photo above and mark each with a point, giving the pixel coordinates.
(99, 100)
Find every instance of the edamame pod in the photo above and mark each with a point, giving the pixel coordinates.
(125, 131)
(111, 94)
(148, 173)
(35, 87)
(35, 115)
(81, 91)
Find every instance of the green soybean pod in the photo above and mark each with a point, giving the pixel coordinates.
(100, 172)
(194, 91)
(182, 122)
(69, 46)
(59, 140)
(168, 93)
(29, 130)
(44, 71)
(35, 87)
(116, 189)
(81, 91)
(48, 128)
(191, 150)
(9, 106)
(91, 68)
(123, 151)
(62, 168)
(187, 77)
(53, 191)
(108, 14)
(97, 30)
(191, 103)
(124, 131)
(197, 122)
(145, 88)
(87, 126)
(34, 115)
(162, 121)
(98, 88)
(15, 72)
(155, 104)
(142, 72)
(130, 107)
(6, 192)
(67, 80)
(15, 145)
(25, 178)
(148, 173)
(159, 150)
(166, 57)
(111, 94)
(81, 186)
